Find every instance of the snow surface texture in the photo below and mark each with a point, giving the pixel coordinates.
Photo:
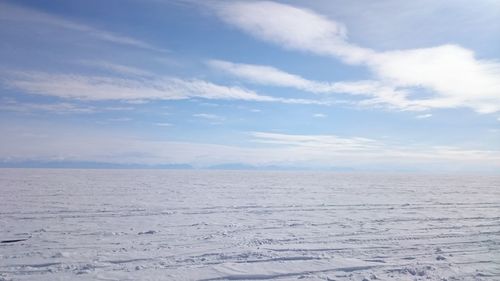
(215, 225)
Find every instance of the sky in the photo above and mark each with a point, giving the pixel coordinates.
(368, 85)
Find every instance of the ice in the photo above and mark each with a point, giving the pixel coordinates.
(247, 225)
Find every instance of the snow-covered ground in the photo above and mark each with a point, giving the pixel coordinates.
(216, 225)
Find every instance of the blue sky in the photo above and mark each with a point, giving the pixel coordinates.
(392, 85)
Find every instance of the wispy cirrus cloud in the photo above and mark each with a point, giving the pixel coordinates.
(131, 89)
(17, 13)
(453, 73)
(116, 68)
(374, 92)
(213, 119)
(319, 115)
(423, 116)
(209, 116)
(57, 108)
(316, 141)
(163, 124)
(120, 119)
(268, 75)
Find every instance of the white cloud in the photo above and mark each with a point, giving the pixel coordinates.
(455, 76)
(120, 119)
(118, 108)
(375, 92)
(131, 89)
(316, 141)
(136, 90)
(14, 13)
(163, 124)
(452, 72)
(116, 68)
(209, 116)
(57, 108)
(291, 27)
(267, 75)
(423, 116)
(320, 115)
(136, 101)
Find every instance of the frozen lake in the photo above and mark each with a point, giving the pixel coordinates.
(222, 225)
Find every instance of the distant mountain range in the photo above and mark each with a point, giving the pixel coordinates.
(241, 166)
(88, 165)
